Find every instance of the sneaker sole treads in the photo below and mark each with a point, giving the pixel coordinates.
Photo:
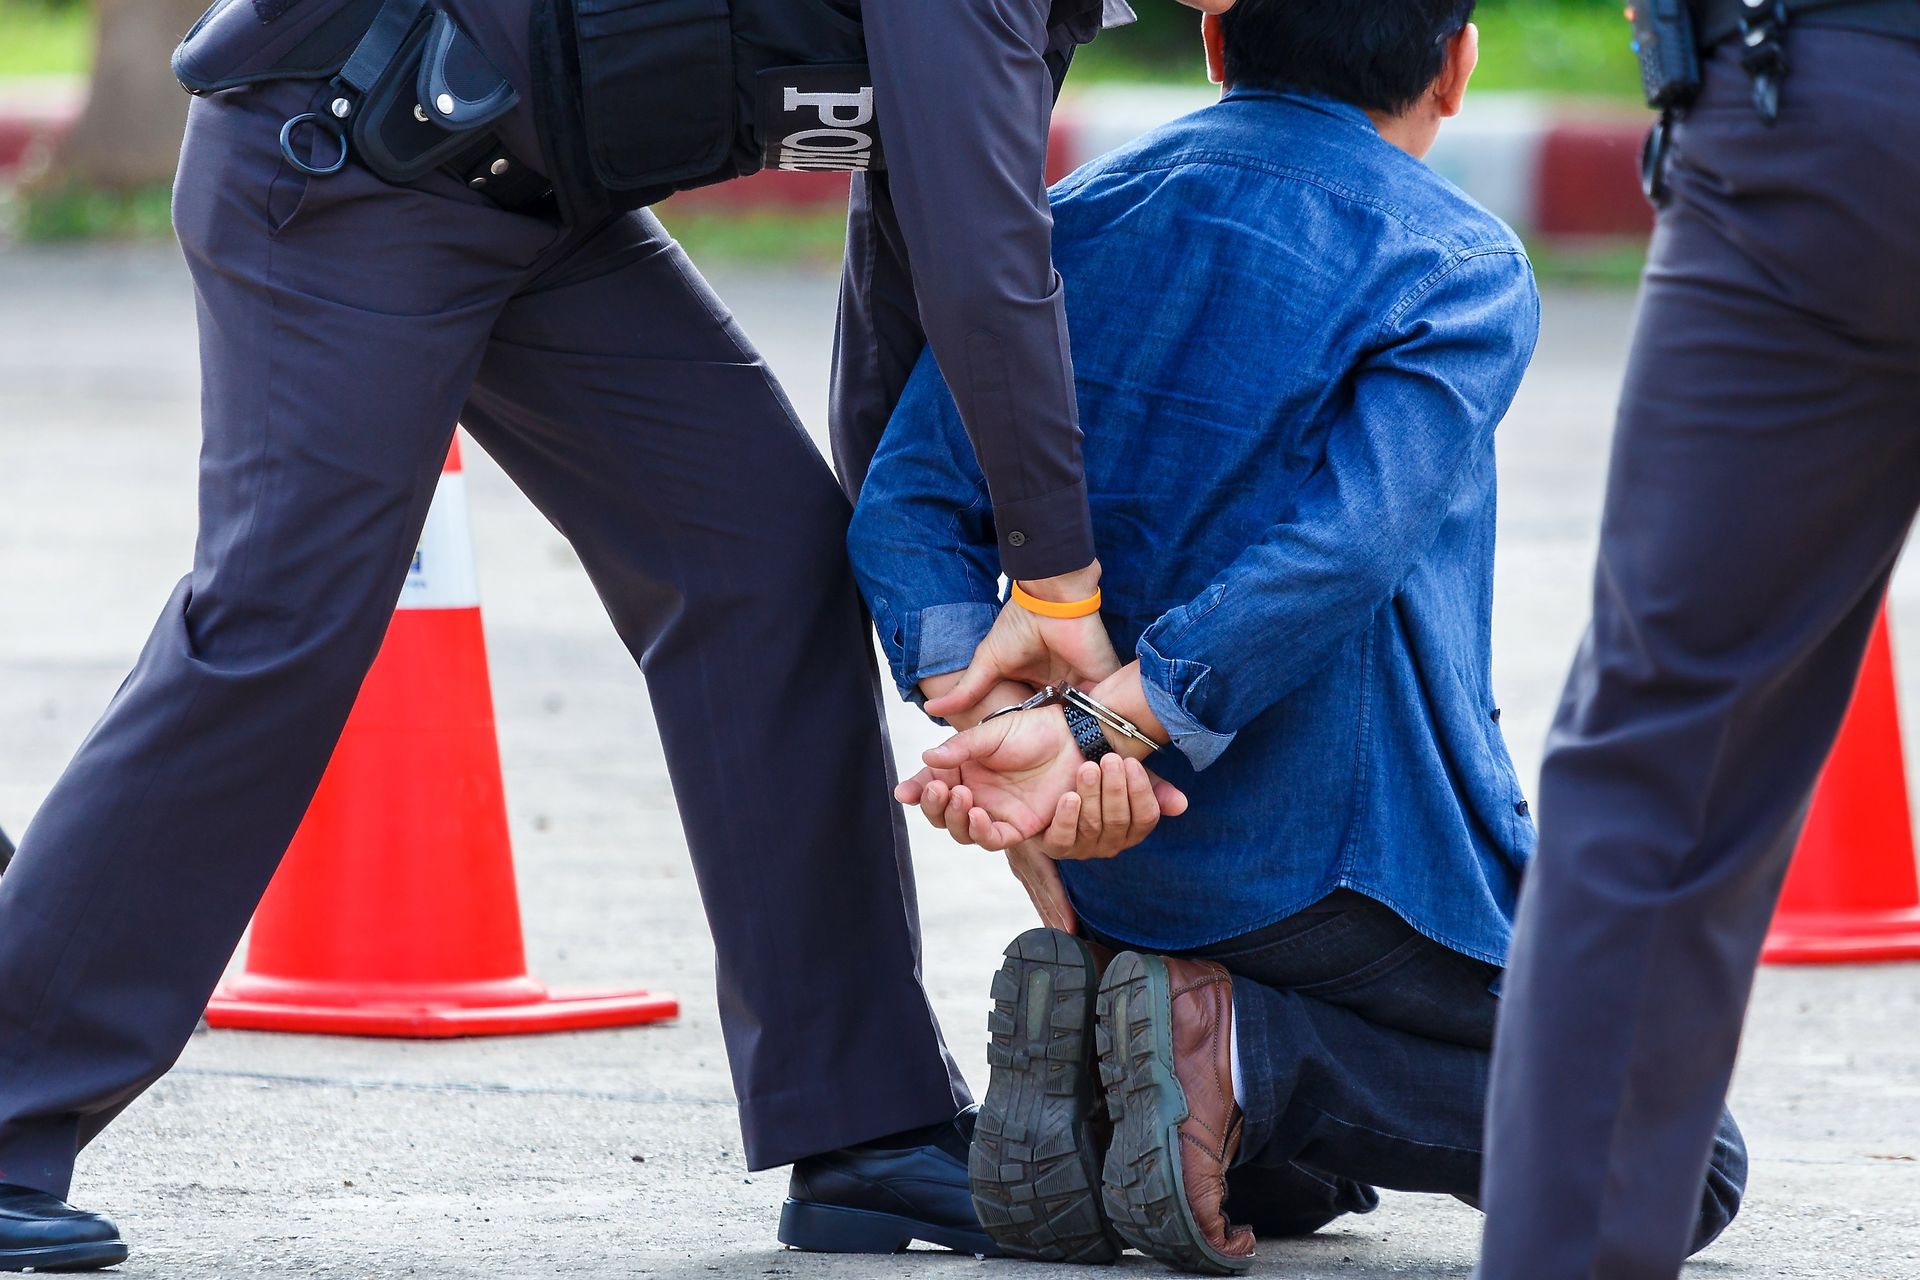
(1034, 1166)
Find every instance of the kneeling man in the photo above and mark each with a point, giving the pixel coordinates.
(1293, 342)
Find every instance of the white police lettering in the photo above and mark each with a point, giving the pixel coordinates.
(836, 139)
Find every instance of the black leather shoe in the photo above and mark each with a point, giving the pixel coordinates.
(882, 1196)
(1043, 1133)
(41, 1233)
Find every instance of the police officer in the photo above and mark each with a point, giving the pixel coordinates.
(398, 214)
(1766, 468)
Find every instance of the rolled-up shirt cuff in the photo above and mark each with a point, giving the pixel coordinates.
(1169, 684)
(941, 639)
(1045, 536)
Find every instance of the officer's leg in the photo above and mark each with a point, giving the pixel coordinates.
(339, 334)
(1765, 471)
(630, 407)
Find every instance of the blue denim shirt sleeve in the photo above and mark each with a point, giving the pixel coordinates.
(922, 539)
(1446, 364)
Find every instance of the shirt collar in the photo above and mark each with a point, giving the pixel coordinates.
(1315, 102)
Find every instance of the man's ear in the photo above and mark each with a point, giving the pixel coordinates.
(1216, 42)
(1463, 54)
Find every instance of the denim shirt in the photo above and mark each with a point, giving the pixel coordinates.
(1292, 344)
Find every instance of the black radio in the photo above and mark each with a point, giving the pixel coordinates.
(1669, 53)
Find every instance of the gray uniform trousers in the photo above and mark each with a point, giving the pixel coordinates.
(345, 325)
(1765, 471)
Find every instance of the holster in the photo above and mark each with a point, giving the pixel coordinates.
(410, 91)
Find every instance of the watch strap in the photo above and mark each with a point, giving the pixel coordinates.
(1088, 734)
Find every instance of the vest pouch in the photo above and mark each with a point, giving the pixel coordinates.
(426, 110)
(240, 42)
(656, 89)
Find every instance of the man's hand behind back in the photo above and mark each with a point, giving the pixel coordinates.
(1026, 647)
(1022, 776)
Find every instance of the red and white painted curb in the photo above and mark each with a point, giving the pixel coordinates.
(1553, 169)
(34, 112)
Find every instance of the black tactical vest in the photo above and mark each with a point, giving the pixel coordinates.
(671, 91)
(676, 94)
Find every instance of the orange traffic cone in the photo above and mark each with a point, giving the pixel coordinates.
(395, 912)
(1852, 893)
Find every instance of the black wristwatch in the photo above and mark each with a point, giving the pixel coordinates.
(1088, 733)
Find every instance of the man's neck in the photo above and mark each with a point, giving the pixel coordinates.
(1411, 131)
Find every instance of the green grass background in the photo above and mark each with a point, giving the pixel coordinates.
(1569, 46)
(45, 37)
(1560, 46)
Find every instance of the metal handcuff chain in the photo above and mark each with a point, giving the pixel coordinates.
(1067, 696)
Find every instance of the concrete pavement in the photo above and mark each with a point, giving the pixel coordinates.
(616, 1153)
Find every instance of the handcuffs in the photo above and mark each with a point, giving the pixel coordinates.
(1088, 719)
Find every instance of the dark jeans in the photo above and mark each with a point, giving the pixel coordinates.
(1364, 1055)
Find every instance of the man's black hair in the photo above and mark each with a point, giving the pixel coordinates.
(1381, 55)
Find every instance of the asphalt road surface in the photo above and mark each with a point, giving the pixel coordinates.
(616, 1153)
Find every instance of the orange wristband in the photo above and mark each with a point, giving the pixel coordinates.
(1055, 609)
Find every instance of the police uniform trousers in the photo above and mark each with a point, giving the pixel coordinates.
(1766, 467)
(345, 325)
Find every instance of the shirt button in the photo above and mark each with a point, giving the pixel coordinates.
(1522, 809)
(1495, 713)
(1016, 539)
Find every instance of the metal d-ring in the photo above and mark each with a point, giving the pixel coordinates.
(325, 125)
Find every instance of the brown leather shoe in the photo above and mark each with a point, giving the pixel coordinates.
(1166, 1062)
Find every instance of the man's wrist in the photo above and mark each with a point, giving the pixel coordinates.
(1005, 694)
(1065, 588)
(1124, 692)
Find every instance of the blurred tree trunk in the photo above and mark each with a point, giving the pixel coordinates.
(128, 135)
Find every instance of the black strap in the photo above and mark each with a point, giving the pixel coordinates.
(1720, 19)
(488, 166)
(498, 174)
(381, 45)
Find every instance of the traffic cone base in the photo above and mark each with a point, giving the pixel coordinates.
(1853, 937)
(395, 911)
(1852, 894)
(427, 1011)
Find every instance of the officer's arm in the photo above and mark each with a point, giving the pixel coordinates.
(964, 100)
(878, 338)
